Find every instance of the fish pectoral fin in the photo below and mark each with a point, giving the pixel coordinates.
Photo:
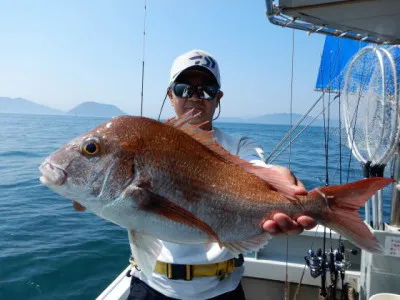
(154, 203)
(77, 206)
(145, 250)
(254, 243)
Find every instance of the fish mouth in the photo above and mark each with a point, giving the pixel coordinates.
(52, 174)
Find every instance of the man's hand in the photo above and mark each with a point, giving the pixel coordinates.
(281, 223)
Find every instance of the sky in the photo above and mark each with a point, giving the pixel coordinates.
(62, 53)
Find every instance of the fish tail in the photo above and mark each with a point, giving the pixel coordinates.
(341, 214)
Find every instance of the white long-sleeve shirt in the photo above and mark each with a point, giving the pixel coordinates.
(203, 287)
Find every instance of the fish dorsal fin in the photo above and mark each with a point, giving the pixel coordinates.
(272, 177)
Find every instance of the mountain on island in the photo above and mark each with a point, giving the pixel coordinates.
(23, 106)
(87, 109)
(94, 109)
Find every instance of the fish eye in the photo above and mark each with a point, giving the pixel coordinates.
(91, 147)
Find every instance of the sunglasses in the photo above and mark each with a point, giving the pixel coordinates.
(205, 92)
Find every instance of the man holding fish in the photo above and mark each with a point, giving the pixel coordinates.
(192, 198)
(195, 85)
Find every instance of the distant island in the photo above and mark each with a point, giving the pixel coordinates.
(23, 106)
(279, 119)
(85, 109)
(94, 109)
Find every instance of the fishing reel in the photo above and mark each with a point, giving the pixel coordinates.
(336, 260)
(314, 262)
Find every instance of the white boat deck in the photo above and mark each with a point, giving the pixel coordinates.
(268, 268)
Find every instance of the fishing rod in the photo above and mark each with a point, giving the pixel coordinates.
(335, 261)
(294, 128)
(267, 160)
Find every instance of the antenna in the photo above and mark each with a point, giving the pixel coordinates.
(144, 43)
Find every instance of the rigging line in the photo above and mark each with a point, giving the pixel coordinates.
(338, 63)
(290, 156)
(291, 99)
(325, 139)
(333, 64)
(143, 53)
(308, 125)
(340, 116)
(323, 273)
(340, 136)
(327, 142)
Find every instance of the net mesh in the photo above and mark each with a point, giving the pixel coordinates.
(370, 105)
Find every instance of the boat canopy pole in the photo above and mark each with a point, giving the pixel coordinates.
(395, 212)
(278, 16)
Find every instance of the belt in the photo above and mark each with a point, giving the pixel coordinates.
(187, 272)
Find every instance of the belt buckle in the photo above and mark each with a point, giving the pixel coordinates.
(177, 271)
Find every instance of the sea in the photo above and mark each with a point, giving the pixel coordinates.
(50, 251)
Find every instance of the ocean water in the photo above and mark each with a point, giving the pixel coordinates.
(50, 251)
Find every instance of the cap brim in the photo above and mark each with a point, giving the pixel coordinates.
(197, 69)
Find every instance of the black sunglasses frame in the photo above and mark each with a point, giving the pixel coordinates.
(201, 90)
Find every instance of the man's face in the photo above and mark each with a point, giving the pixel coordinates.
(206, 108)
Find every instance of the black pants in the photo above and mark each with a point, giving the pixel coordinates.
(141, 291)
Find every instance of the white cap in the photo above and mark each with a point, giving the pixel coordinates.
(195, 58)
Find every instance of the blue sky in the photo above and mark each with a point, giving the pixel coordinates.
(61, 53)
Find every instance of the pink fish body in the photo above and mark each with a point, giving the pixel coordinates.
(174, 182)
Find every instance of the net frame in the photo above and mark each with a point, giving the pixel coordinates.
(383, 65)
